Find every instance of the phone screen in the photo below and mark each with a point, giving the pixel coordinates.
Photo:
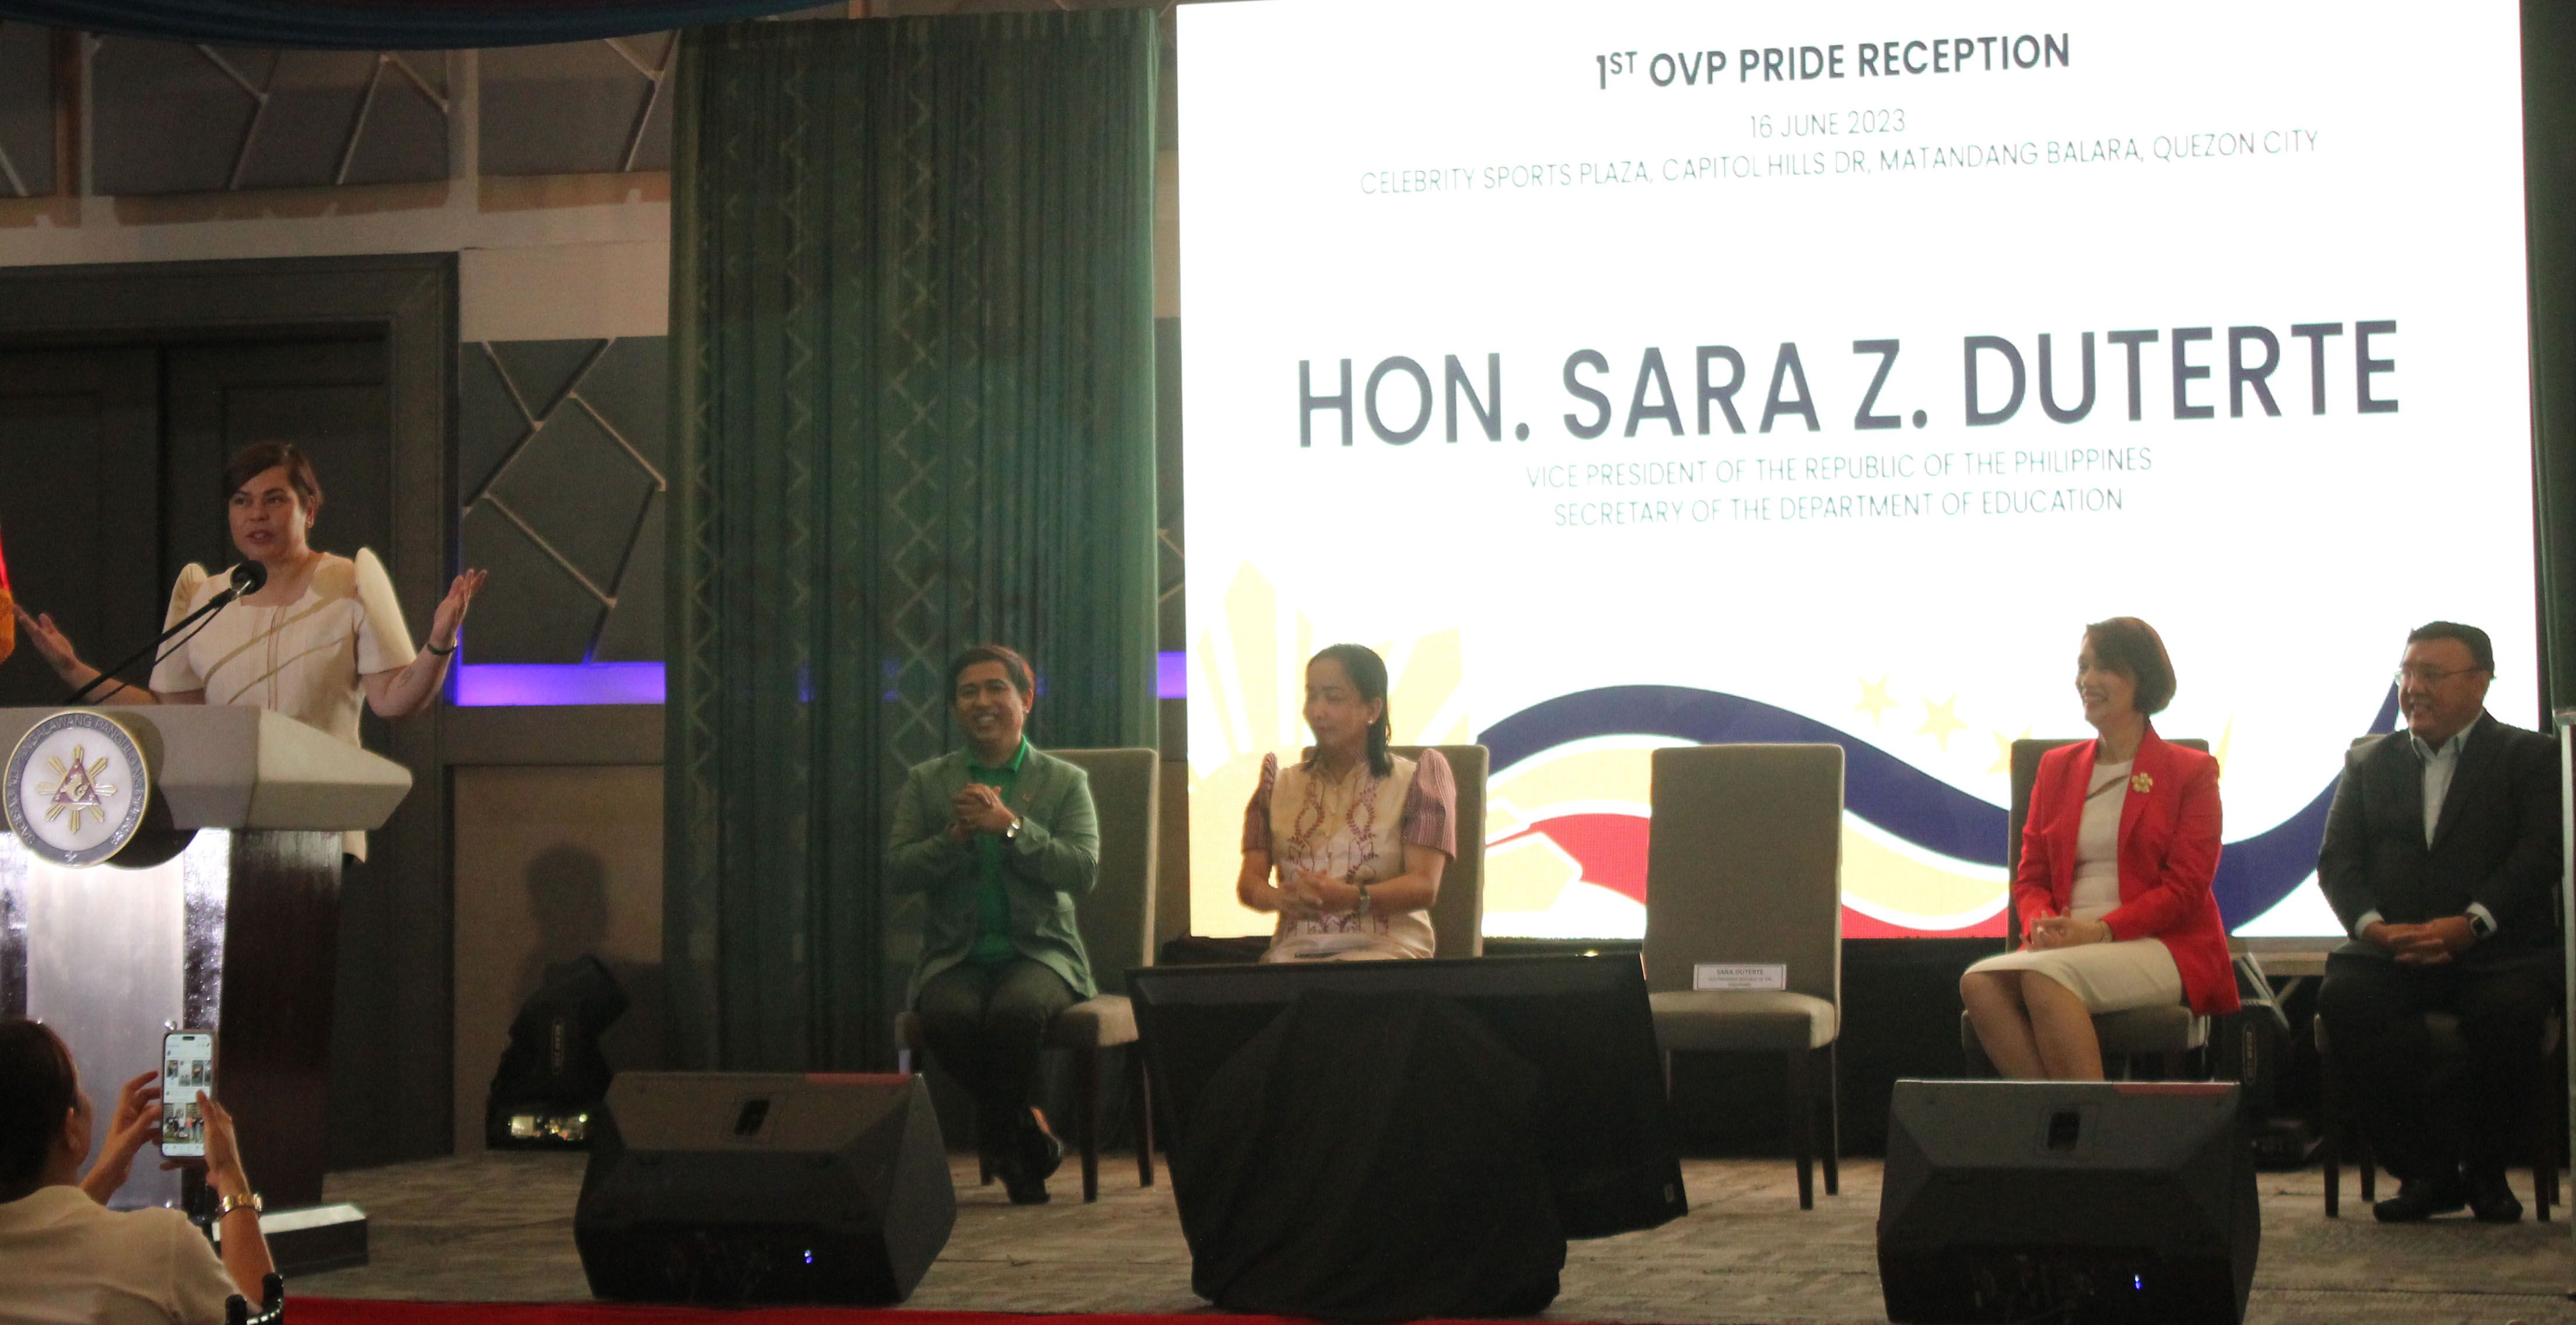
(187, 1067)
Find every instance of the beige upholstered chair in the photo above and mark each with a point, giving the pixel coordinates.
(1171, 885)
(1458, 916)
(2166, 1034)
(1117, 919)
(1744, 868)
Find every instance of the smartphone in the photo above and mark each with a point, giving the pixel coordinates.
(187, 1067)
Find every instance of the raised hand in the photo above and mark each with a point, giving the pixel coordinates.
(450, 615)
(223, 1151)
(50, 644)
(137, 1118)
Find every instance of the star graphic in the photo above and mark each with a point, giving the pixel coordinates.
(1874, 701)
(1939, 720)
(2003, 750)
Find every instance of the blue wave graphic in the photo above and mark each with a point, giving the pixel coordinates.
(2254, 873)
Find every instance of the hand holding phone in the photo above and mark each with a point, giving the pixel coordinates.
(187, 1070)
(136, 1122)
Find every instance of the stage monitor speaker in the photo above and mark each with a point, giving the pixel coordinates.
(2075, 1201)
(713, 1187)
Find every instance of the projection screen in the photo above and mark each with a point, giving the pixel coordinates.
(1640, 373)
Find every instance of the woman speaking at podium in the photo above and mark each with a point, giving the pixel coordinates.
(323, 634)
(2113, 889)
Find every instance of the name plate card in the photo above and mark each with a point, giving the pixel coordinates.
(1738, 978)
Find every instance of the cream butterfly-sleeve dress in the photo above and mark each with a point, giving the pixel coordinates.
(302, 659)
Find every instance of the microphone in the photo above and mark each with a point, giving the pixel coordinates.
(247, 578)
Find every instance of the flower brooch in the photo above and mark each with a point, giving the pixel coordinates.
(2141, 783)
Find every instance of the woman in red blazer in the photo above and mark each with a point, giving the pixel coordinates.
(2113, 890)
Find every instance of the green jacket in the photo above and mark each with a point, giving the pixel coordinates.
(1055, 859)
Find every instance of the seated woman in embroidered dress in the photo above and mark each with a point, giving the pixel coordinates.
(1356, 834)
(2114, 884)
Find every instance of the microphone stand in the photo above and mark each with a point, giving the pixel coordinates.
(242, 584)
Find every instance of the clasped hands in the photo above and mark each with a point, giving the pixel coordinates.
(1306, 895)
(2429, 944)
(2051, 930)
(978, 809)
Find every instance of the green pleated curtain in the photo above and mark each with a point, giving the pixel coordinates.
(913, 408)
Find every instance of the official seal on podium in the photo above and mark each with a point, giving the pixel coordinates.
(77, 788)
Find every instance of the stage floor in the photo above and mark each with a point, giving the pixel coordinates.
(500, 1229)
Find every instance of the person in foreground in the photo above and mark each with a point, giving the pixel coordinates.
(68, 1257)
(2441, 858)
(2113, 890)
(1001, 840)
(1356, 834)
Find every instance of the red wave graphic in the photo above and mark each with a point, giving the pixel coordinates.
(1610, 849)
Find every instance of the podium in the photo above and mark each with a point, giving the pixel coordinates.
(221, 913)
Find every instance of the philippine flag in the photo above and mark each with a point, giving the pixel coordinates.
(8, 612)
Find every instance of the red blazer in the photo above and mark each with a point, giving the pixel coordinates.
(2169, 828)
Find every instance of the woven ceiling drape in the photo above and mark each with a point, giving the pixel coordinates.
(913, 408)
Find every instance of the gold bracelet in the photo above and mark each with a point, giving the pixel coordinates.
(243, 1201)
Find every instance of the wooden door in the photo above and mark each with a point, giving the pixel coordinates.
(80, 514)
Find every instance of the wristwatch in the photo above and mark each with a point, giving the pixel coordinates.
(1362, 912)
(1012, 833)
(2479, 925)
(238, 1201)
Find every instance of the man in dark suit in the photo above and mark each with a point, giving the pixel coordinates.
(2441, 858)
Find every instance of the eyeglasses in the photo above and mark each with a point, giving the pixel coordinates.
(2431, 675)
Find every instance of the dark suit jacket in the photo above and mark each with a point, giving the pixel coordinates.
(2496, 843)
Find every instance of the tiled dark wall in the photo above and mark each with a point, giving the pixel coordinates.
(578, 108)
(560, 456)
(26, 110)
(177, 118)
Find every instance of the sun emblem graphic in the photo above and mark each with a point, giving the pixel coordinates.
(1252, 671)
(76, 789)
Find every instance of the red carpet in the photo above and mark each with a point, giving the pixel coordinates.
(351, 1311)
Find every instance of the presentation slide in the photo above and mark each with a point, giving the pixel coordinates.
(1649, 373)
